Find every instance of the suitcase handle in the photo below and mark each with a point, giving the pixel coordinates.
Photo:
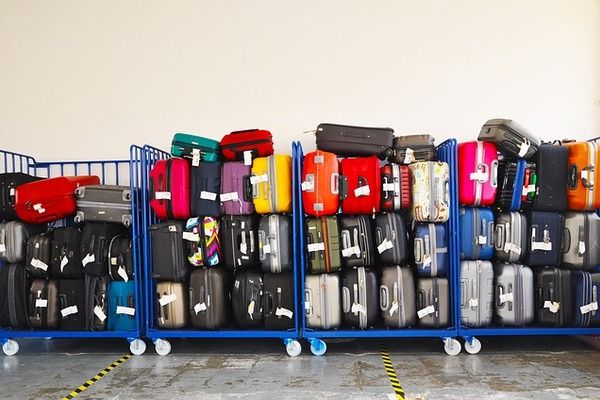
(334, 183)
(420, 299)
(494, 174)
(269, 303)
(247, 189)
(572, 179)
(566, 242)
(343, 187)
(131, 303)
(62, 299)
(346, 299)
(500, 290)
(384, 298)
(379, 234)
(500, 239)
(418, 250)
(308, 300)
(589, 181)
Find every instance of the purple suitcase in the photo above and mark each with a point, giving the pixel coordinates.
(236, 189)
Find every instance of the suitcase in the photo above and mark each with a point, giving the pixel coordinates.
(430, 191)
(172, 298)
(355, 141)
(552, 178)
(96, 302)
(170, 189)
(322, 301)
(513, 294)
(508, 192)
(95, 241)
(43, 304)
(239, 241)
(120, 259)
(202, 241)
(254, 142)
(360, 297)
(395, 187)
(66, 253)
(357, 241)
(278, 301)
(433, 302)
(553, 297)
(205, 186)
(510, 237)
(397, 297)
(168, 251)
(360, 185)
(545, 239)
(323, 245)
(529, 185)
(8, 185)
(71, 298)
(582, 177)
(476, 233)
(49, 199)
(430, 250)
(210, 291)
(272, 184)
(477, 173)
(390, 238)
(581, 241)
(236, 189)
(246, 299)
(39, 255)
(195, 147)
(511, 138)
(121, 306)
(104, 203)
(14, 293)
(275, 243)
(320, 179)
(13, 240)
(412, 148)
(586, 290)
(476, 293)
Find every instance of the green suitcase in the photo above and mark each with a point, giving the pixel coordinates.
(195, 147)
(323, 245)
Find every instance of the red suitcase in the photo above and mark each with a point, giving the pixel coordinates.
(170, 189)
(360, 185)
(477, 173)
(258, 142)
(320, 176)
(49, 199)
(395, 187)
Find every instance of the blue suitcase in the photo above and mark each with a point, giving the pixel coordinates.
(121, 306)
(431, 250)
(476, 230)
(586, 289)
(545, 239)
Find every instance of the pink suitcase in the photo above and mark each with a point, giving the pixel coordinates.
(477, 173)
(170, 188)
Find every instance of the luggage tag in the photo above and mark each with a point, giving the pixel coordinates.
(508, 247)
(39, 264)
(504, 297)
(543, 246)
(553, 306)
(200, 307)
(63, 262)
(248, 157)
(314, 247)
(2, 248)
(473, 302)
(231, 196)
(385, 245)
(409, 156)
(358, 308)
(99, 313)
(65, 312)
(41, 303)
(350, 251)
(308, 186)
(256, 179)
(480, 176)
(266, 248)
(251, 306)
(393, 308)
(524, 148)
(581, 248)
(482, 240)
(284, 312)
(422, 313)
(38, 207)
(528, 189)
(426, 260)
(191, 237)
(162, 195)
(123, 274)
(362, 191)
(212, 196)
(389, 187)
(122, 310)
(164, 300)
(589, 308)
(88, 259)
(195, 157)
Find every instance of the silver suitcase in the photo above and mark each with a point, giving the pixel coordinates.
(322, 301)
(104, 203)
(275, 243)
(581, 240)
(13, 240)
(397, 297)
(510, 236)
(433, 302)
(513, 298)
(476, 293)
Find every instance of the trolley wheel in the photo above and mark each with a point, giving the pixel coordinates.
(293, 348)
(137, 347)
(452, 346)
(389, 152)
(318, 347)
(473, 345)
(10, 348)
(162, 347)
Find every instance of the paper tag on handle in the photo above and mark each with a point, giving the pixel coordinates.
(125, 310)
(212, 196)
(255, 179)
(12, 191)
(231, 196)
(39, 208)
(88, 259)
(473, 302)
(307, 305)
(307, 185)
(358, 308)
(544, 246)
(385, 245)
(251, 306)
(482, 240)
(362, 191)
(2, 248)
(39, 264)
(195, 157)
(248, 157)
(504, 297)
(426, 260)
(350, 251)
(200, 307)
(99, 313)
(581, 248)
(422, 313)
(528, 189)
(162, 195)
(122, 273)
(41, 303)
(393, 308)
(552, 306)
(243, 248)
(284, 312)
(63, 262)
(389, 187)
(409, 156)
(479, 176)
(163, 301)
(266, 248)
(512, 247)
(523, 149)
(313, 247)
(65, 312)
(589, 308)
(191, 236)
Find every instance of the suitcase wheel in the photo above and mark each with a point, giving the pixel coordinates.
(162, 347)
(318, 347)
(452, 346)
(472, 345)
(389, 152)
(137, 347)
(10, 347)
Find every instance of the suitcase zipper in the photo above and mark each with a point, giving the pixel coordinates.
(272, 183)
(400, 290)
(274, 229)
(478, 185)
(234, 146)
(362, 297)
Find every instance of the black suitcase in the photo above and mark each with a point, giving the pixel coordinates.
(169, 261)
(552, 177)
(210, 291)
(412, 148)
(355, 141)
(66, 253)
(586, 293)
(96, 302)
(8, 183)
(95, 241)
(278, 301)
(360, 297)
(71, 296)
(246, 299)
(239, 241)
(39, 255)
(390, 239)
(356, 241)
(544, 239)
(205, 187)
(14, 293)
(120, 258)
(512, 139)
(507, 176)
(43, 304)
(553, 297)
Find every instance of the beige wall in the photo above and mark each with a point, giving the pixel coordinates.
(84, 79)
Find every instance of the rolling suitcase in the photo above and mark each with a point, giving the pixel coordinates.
(320, 179)
(95, 241)
(360, 297)
(477, 173)
(323, 301)
(581, 241)
(529, 185)
(323, 245)
(43, 304)
(433, 302)
(13, 240)
(170, 189)
(553, 297)
(96, 302)
(552, 178)
(360, 185)
(272, 184)
(278, 301)
(395, 187)
(173, 303)
(511, 138)
(205, 186)
(510, 238)
(71, 297)
(476, 293)
(39, 255)
(275, 243)
(430, 191)
(236, 189)
(195, 147)
(357, 241)
(586, 293)
(355, 141)
(476, 233)
(210, 291)
(202, 241)
(104, 203)
(513, 294)
(412, 148)
(246, 299)
(508, 194)
(390, 238)
(247, 143)
(121, 306)
(397, 297)
(430, 250)
(583, 160)
(8, 185)
(545, 239)
(120, 259)
(14, 293)
(239, 241)
(168, 251)
(66, 253)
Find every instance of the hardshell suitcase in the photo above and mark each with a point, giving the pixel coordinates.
(272, 184)
(320, 179)
(95, 241)
(96, 302)
(355, 141)
(278, 301)
(477, 173)
(513, 294)
(253, 142)
(168, 251)
(71, 296)
(121, 306)
(323, 244)
(510, 237)
(236, 189)
(173, 303)
(360, 297)
(323, 301)
(195, 147)
(430, 191)
(412, 148)
(205, 186)
(49, 199)
(13, 240)
(581, 240)
(104, 203)
(586, 293)
(120, 258)
(476, 293)
(545, 239)
(8, 185)
(202, 241)
(66, 253)
(553, 297)
(39, 255)
(170, 188)
(433, 302)
(584, 159)
(357, 241)
(552, 178)
(246, 299)
(512, 139)
(275, 243)
(476, 233)
(430, 250)
(397, 297)
(14, 296)
(239, 241)
(210, 291)
(360, 185)
(529, 185)
(43, 304)
(390, 238)
(395, 187)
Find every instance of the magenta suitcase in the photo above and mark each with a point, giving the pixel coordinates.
(236, 189)
(170, 188)
(477, 173)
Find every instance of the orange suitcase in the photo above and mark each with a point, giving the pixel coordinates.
(320, 173)
(583, 187)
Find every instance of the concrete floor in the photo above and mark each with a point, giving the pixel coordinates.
(506, 368)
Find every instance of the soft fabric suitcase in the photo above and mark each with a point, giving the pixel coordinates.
(275, 243)
(581, 241)
(120, 258)
(239, 241)
(323, 301)
(552, 178)
(395, 187)
(173, 303)
(477, 173)
(355, 141)
(71, 297)
(272, 184)
(529, 185)
(512, 139)
(357, 241)
(433, 302)
(476, 233)
(584, 159)
(246, 299)
(397, 297)
(586, 293)
(195, 147)
(205, 186)
(202, 241)
(43, 304)
(121, 306)
(210, 291)
(476, 293)
(13, 240)
(513, 294)
(8, 185)
(510, 237)
(278, 301)
(412, 148)
(553, 297)
(430, 250)
(390, 238)
(66, 253)
(14, 296)
(39, 255)
(545, 239)
(360, 297)
(320, 179)
(253, 142)
(323, 245)
(360, 185)
(429, 187)
(168, 251)
(49, 199)
(96, 302)
(508, 195)
(170, 188)
(95, 241)
(104, 203)
(236, 190)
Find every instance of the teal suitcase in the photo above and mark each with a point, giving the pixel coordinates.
(195, 147)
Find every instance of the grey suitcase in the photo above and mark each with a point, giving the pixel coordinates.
(397, 297)
(476, 293)
(581, 240)
(210, 291)
(13, 240)
(510, 236)
(322, 301)
(275, 243)
(513, 298)
(512, 139)
(104, 203)
(433, 302)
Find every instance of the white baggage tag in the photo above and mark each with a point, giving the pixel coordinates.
(426, 260)
(231, 196)
(589, 308)
(162, 195)
(63, 262)
(544, 246)
(12, 191)
(422, 313)
(481, 240)
(350, 251)
(504, 297)
(248, 157)
(251, 309)
(314, 247)
(41, 303)
(266, 248)
(212, 196)
(163, 301)
(38, 207)
(358, 308)
(389, 187)
(308, 185)
(362, 191)
(122, 273)
(2, 247)
(259, 178)
(581, 248)
(114, 261)
(409, 156)
(200, 307)
(512, 247)
(473, 302)
(385, 245)
(307, 305)
(244, 248)
(523, 148)
(553, 306)
(585, 174)
(125, 310)
(39, 264)
(479, 176)
(284, 312)
(99, 313)
(195, 157)
(393, 308)
(191, 236)
(65, 312)
(88, 259)
(528, 189)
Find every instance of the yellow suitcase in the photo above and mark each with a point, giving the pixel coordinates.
(272, 184)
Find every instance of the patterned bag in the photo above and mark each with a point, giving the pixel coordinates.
(202, 237)
(430, 197)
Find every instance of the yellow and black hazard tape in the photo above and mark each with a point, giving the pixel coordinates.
(391, 372)
(96, 378)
